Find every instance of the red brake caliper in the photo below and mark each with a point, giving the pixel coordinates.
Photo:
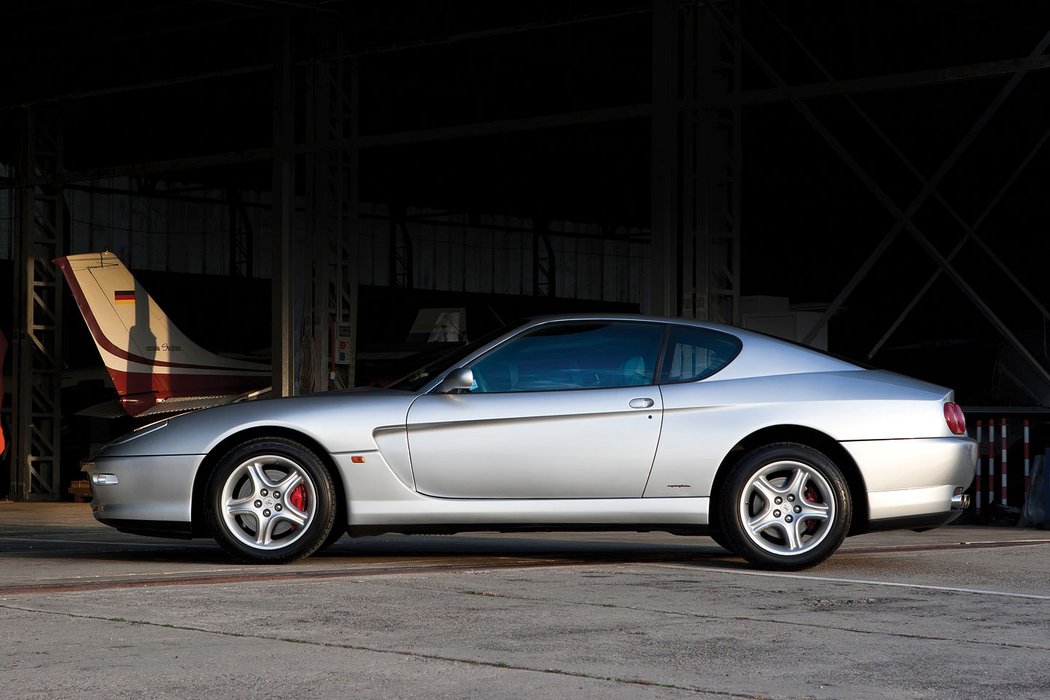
(297, 499)
(811, 497)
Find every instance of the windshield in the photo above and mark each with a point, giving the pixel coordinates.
(417, 379)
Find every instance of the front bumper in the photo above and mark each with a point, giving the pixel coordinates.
(152, 489)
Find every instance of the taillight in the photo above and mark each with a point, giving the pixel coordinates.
(953, 415)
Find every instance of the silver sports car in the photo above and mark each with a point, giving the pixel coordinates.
(583, 422)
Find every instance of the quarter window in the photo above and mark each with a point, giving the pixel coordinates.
(578, 355)
(696, 353)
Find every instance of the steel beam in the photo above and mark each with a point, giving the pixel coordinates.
(665, 286)
(283, 217)
(347, 274)
(710, 156)
(139, 87)
(425, 219)
(695, 195)
(36, 471)
(331, 103)
(494, 32)
(507, 126)
(895, 81)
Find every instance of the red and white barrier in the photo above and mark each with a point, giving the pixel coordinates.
(980, 463)
(991, 461)
(1002, 464)
(1027, 460)
(985, 481)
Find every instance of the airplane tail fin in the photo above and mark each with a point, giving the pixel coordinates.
(148, 358)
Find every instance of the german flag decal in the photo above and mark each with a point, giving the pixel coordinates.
(124, 297)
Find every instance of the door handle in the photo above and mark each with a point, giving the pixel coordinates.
(642, 403)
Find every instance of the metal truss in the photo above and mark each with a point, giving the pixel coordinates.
(241, 236)
(696, 145)
(331, 210)
(1019, 67)
(400, 253)
(544, 262)
(282, 156)
(37, 376)
(904, 217)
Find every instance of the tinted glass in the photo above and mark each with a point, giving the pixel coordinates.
(579, 355)
(696, 353)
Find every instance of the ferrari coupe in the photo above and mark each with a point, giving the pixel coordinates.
(577, 422)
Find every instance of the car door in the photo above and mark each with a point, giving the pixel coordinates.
(564, 410)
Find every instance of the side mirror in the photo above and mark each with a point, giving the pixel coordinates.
(458, 381)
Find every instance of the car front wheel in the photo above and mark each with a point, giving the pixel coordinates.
(270, 500)
(785, 506)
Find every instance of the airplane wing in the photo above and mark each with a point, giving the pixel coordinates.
(181, 404)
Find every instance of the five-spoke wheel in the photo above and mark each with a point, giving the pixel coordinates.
(270, 500)
(785, 506)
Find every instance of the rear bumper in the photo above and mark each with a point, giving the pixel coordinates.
(914, 481)
(915, 522)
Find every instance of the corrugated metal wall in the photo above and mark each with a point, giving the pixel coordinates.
(493, 254)
(183, 230)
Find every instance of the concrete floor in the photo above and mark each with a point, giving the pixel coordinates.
(86, 611)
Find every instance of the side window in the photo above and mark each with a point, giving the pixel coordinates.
(696, 353)
(575, 355)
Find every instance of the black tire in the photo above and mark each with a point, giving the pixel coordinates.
(715, 533)
(338, 530)
(270, 501)
(785, 506)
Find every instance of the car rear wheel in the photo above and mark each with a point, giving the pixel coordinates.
(270, 500)
(785, 506)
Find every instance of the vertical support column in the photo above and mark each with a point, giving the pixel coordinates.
(319, 184)
(718, 173)
(331, 211)
(283, 203)
(37, 373)
(349, 211)
(695, 163)
(665, 292)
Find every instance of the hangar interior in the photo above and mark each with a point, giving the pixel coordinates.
(326, 182)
